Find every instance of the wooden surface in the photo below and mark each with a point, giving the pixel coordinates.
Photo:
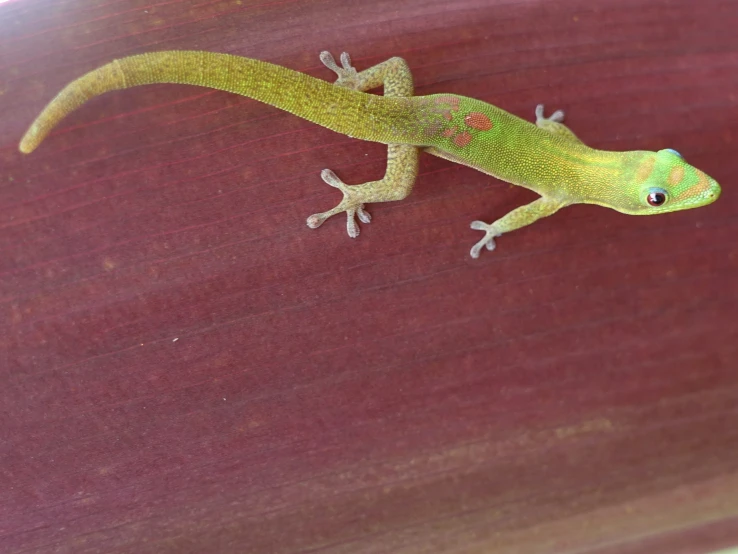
(188, 368)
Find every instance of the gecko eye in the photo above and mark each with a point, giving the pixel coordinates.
(674, 152)
(656, 197)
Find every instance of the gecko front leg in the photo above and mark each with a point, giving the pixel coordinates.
(402, 159)
(519, 217)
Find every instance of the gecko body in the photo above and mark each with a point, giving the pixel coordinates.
(546, 157)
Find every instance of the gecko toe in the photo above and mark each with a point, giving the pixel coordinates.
(316, 220)
(329, 61)
(346, 62)
(351, 227)
(364, 216)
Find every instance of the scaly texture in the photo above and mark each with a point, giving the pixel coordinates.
(547, 157)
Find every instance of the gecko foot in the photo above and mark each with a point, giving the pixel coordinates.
(557, 116)
(489, 237)
(347, 75)
(350, 204)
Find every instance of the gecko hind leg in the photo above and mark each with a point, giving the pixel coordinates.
(402, 159)
(402, 167)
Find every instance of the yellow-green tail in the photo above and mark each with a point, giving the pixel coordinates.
(336, 108)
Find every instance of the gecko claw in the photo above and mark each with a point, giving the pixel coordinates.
(490, 232)
(349, 204)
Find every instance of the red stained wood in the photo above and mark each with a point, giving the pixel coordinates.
(186, 367)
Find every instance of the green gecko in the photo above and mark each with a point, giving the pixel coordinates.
(546, 157)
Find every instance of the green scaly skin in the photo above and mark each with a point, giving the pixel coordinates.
(546, 157)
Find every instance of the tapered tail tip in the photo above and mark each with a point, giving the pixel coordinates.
(25, 147)
(29, 142)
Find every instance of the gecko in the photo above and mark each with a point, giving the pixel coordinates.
(545, 157)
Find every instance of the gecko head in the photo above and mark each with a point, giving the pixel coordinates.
(665, 182)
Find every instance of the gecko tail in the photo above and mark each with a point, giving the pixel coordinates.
(108, 77)
(336, 108)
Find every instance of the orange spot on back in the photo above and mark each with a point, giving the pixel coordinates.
(478, 120)
(449, 132)
(448, 115)
(462, 139)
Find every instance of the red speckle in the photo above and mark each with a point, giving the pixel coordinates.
(462, 139)
(478, 120)
(433, 128)
(448, 100)
(448, 115)
(449, 132)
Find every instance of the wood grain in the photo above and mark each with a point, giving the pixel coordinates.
(186, 367)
